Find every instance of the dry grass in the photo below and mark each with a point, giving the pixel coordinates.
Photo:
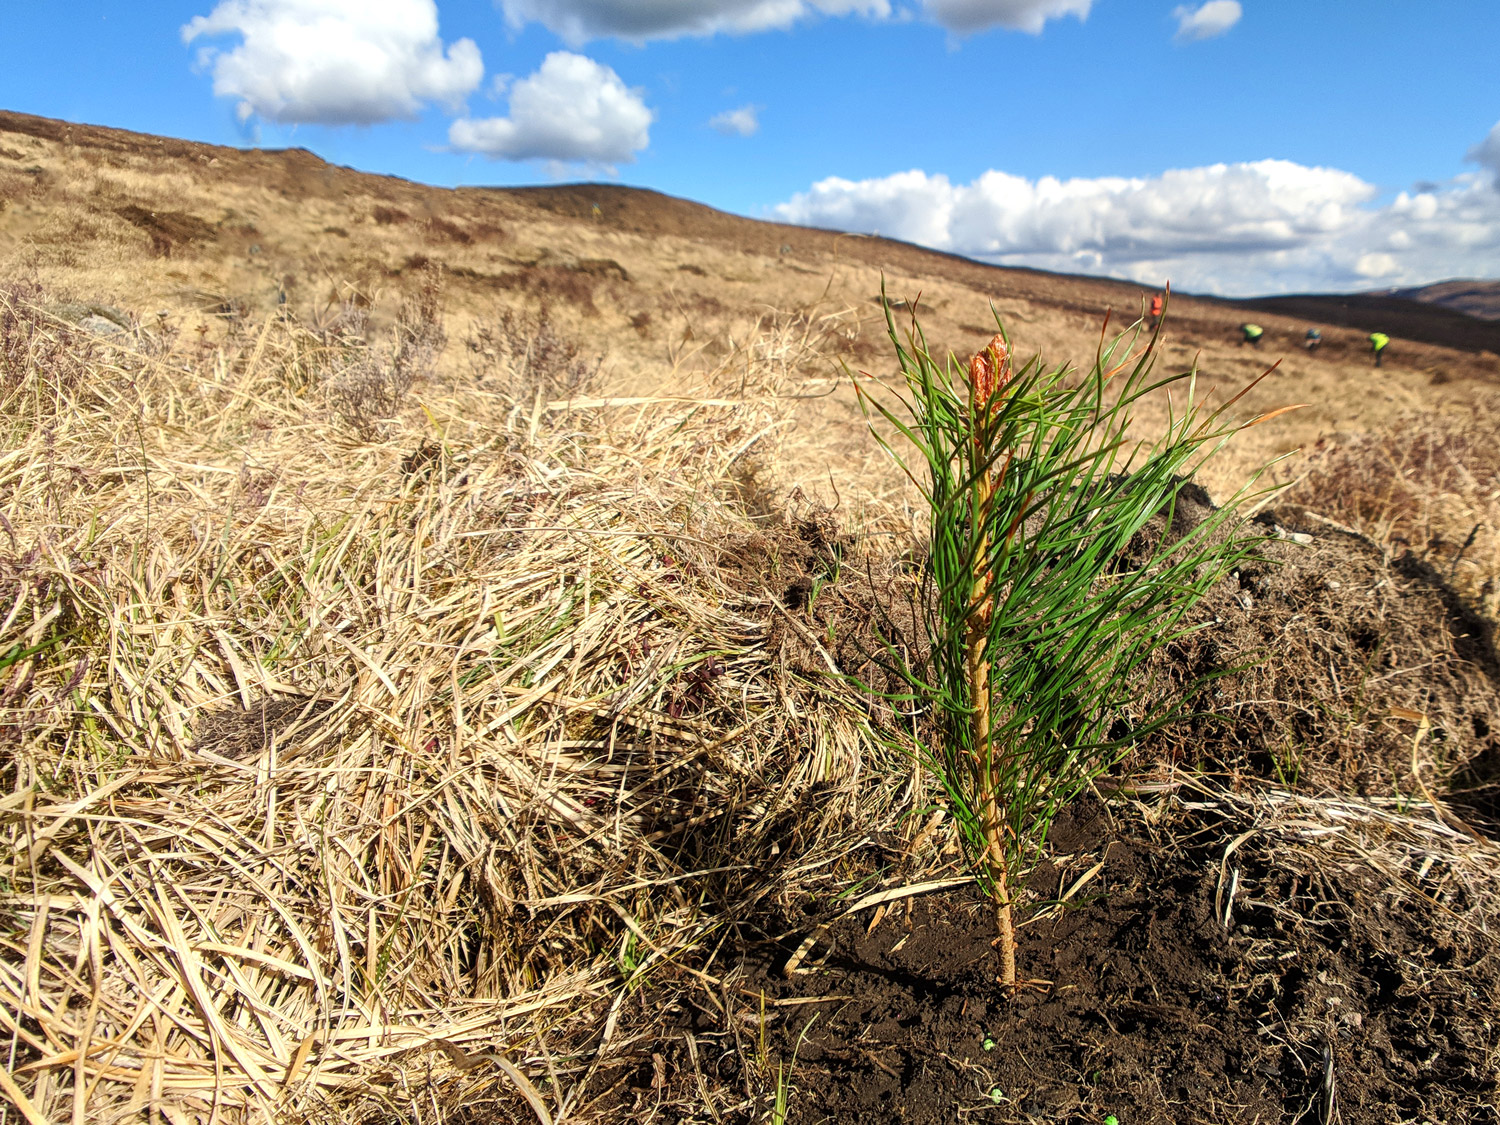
(433, 772)
(1430, 489)
(389, 739)
(325, 752)
(1419, 857)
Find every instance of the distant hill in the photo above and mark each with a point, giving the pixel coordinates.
(1467, 295)
(1429, 321)
(217, 234)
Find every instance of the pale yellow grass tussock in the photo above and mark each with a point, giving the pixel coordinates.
(326, 751)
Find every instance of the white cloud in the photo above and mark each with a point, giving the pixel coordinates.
(578, 21)
(1262, 227)
(1375, 266)
(1269, 204)
(742, 122)
(1211, 19)
(334, 62)
(572, 109)
(912, 206)
(1487, 153)
(1017, 15)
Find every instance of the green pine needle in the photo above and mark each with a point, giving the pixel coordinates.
(1051, 540)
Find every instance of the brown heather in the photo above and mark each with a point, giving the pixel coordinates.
(423, 700)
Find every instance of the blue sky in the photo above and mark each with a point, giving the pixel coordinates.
(1235, 146)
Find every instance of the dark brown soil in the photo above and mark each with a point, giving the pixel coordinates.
(235, 733)
(1154, 1011)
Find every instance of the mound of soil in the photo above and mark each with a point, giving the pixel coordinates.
(1183, 986)
(1322, 996)
(1337, 667)
(1325, 660)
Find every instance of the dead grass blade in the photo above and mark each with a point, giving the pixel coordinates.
(328, 748)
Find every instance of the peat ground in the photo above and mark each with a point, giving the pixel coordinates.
(1313, 992)
(1250, 923)
(398, 733)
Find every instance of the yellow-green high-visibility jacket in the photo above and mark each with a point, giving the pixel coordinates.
(1378, 340)
(1252, 331)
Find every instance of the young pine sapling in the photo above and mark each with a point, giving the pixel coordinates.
(1053, 574)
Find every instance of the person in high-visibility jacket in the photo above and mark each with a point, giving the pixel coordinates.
(1154, 317)
(1253, 333)
(1378, 341)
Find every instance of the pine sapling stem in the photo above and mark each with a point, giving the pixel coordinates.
(987, 379)
(988, 786)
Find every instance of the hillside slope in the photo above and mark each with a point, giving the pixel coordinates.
(1400, 314)
(1466, 295)
(210, 236)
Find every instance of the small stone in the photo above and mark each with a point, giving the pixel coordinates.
(98, 326)
(80, 313)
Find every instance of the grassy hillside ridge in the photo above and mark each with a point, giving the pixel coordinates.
(666, 290)
(1468, 295)
(212, 235)
(432, 698)
(299, 175)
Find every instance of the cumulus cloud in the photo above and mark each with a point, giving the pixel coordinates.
(571, 110)
(1377, 265)
(578, 21)
(1261, 227)
(742, 122)
(1204, 22)
(1017, 15)
(1487, 153)
(334, 62)
(1270, 204)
